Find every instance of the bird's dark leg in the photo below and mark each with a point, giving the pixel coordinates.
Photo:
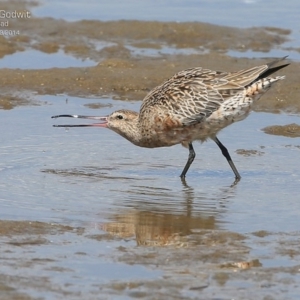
(192, 155)
(227, 155)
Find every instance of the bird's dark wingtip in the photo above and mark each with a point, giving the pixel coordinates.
(271, 69)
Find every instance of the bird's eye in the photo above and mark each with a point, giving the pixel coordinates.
(120, 117)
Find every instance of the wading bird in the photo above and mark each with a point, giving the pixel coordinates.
(194, 104)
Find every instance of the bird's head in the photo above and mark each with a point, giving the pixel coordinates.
(123, 122)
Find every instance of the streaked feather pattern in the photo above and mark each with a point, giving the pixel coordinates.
(212, 99)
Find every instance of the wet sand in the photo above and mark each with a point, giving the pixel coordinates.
(193, 261)
(186, 248)
(120, 73)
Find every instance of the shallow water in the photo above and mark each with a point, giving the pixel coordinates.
(104, 206)
(67, 160)
(33, 59)
(234, 13)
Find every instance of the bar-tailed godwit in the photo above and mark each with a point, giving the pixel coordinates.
(194, 104)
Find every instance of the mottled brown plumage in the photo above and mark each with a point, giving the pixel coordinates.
(194, 104)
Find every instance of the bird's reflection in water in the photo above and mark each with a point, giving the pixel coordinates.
(161, 217)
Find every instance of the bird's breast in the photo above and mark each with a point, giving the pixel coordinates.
(164, 132)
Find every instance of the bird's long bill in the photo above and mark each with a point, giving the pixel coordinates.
(102, 124)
